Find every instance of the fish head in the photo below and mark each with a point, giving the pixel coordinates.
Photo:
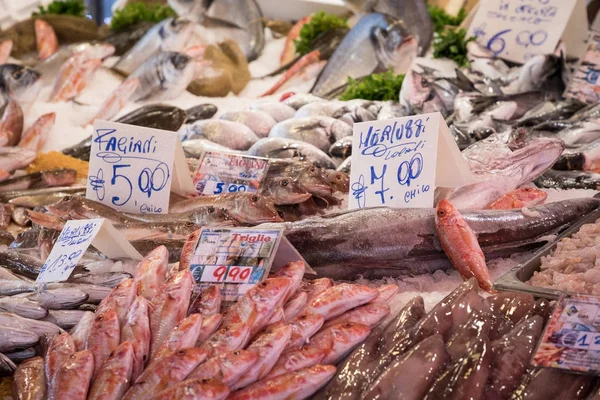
(340, 181)
(253, 208)
(59, 177)
(340, 129)
(477, 50)
(66, 206)
(415, 89)
(23, 83)
(530, 196)
(287, 191)
(445, 213)
(395, 47)
(536, 71)
(218, 216)
(308, 320)
(313, 180)
(349, 332)
(268, 294)
(342, 148)
(180, 61)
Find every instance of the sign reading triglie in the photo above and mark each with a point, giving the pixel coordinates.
(399, 162)
(134, 169)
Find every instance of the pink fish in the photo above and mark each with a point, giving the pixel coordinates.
(184, 335)
(195, 389)
(371, 315)
(209, 326)
(60, 349)
(306, 60)
(294, 306)
(5, 50)
(136, 330)
(117, 100)
(29, 381)
(341, 298)
(227, 367)
(104, 337)
(522, 197)
(315, 287)
(294, 271)
(289, 48)
(47, 43)
(115, 375)
(119, 299)
(151, 273)
(73, 377)
(81, 331)
(208, 301)
(75, 83)
(37, 134)
(303, 327)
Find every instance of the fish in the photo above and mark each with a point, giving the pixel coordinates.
(61, 347)
(168, 371)
(76, 81)
(58, 299)
(95, 293)
(74, 377)
(169, 307)
(318, 109)
(404, 242)
(304, 326)
(163, 76)
(104, 337)
(378, 41)
(208, 302)
(227, 367)
(200, 112)
(284, 148)
(289, 49)
(5, 50)
(340, 298)
(550, 111)
(209, 326)
(268, 346)
(514, 306)
(109, 279)
(460, 244)
(278, 111)
(258, 121)
(298, 100)
(371, 315)
(502, 163)
(114, 378)
(299, 67)
(13, 338)
(47, 43)
(151, 273)
(294, 385)
(477, 325)
(12, 287)
(19, 83)
(321, 132)
(13, 158)
(156, 116)
(522, 197)
(65, 319)
(510, 355)
(544, 382)
(233, 135)
(284, 191)
(170, 34)
(21, 264)
(584, 158)
(556, 179)
(29, 380)
(315, 287)
(342, 148)
(36, 180)
(411, 376)
(195, 148)
(184, 335)
(11, 125)
(119, 299)
(23, 307)
(136, 330)
(246, 208)
(35, 137)
(81, 331)
(294, 306)
(116, 101)
(191, 389)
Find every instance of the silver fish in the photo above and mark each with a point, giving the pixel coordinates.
(109, 279)
(233, 135)
(22, 307)
(275, 147)
(318, 109)
(66, 319)
(278, 111)
(12, 339)
(196, 147)
(258, 121)
(58, 299)
(321, 132)
(299, 100)
(36, 327)
(12, 287)
(21, 355)
(95, 293)
(20, 83)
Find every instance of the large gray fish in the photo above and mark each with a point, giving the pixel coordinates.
(319, 131)
(284, 191)
(163, 76)
(22, 307)
(34, 326)
(275, 147)
(13, 338)
(275, 109)
(20, 83)
(32, 198)
(413, 13)
(374, 44)
(169, 35)
(568, 180)
(157, 116)
(233, 135)
(501, 163)
(381, 242)
(58, 299)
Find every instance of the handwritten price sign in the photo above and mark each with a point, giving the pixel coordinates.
(132, 168)
(221, 173)
(75, 238)
(517, 30)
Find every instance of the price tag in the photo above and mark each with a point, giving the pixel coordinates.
(238, 258)
(400, 161)
(585, 80)
(73, 241)
(571, 340)
(134, 169)
(221, 173)
(517, 30)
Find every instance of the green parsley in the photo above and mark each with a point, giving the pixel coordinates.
(319, 23)
(441, 19)
(452, 44)
(384, 86)
(136, 12)
(68, 7)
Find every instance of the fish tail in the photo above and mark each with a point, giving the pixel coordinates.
(46, 220)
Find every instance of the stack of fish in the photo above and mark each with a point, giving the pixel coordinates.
(152, 337)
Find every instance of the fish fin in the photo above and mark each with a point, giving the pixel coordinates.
(46, 220)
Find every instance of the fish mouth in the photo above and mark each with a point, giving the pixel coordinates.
(543, 153)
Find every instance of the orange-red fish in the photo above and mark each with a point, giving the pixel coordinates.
(306, 60)
(5, 50)
(227, 367)
(105, 336)
(117, 100)
(37, 134)
(60, 349)
(115, 375)
(29, 381)
(45, 37)
(136, 330)
(73, 377)
(460, 244)
(195, 389)
(522, 197)
(289, 49)
(184, 335)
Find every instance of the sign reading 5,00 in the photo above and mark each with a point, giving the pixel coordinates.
(131, 167)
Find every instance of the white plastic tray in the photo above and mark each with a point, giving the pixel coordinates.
(296, 9)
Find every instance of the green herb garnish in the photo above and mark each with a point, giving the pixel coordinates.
(441, 19)
(136, 12)
(65, 7)
(384, 86)
(319, 23)
(452, 44)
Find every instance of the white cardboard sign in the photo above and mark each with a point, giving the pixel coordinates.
(75, 237)
(399, 162)
(517, 30)
(585, 79)
(134, 169)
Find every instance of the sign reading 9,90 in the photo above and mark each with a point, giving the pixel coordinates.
(131, 167)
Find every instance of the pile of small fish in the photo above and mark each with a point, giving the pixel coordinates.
(155, 335)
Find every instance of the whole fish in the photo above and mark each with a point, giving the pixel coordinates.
(31, 326)
(58, 299)
(294, 306)
(51, 178)
(339, 299)
(9, 287)
(184, 335)
(208, 302)
(47, 43)
(195, 148)
(37, 134)
(209, 326)
(315, 287)
(169, 307)
(199, 112)
(20, 83)
(192, 389)
(460, 244)
(151, 273)
(170, 370)
(299, 384)
(73, 377)
(277, 147)
(170, 34)
(16, 357)
(304, 326)
(66, 319)
(556, 179)
(115, 375)
(278, 111)
(522, 197)
(586, 158)
(61, 347)
(76, 82)
(136, 330)
(23, 307)
(258, 121)
(109, 279)
(13, 158)
(321, 132)
(378, 41)
(318, 109)
(227, 367)
(13, 338)
(95, 293)
(29, 380)
(203, 216)
(233, 135)
(119, 299)
(371, 315)
(104, 338)
(11, 125)
(156, 116)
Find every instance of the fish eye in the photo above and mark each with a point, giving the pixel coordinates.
(441, 213)
(263, 284)
(284, 182)
(280, 213)
(67, 198)
(312, 169)
(211, 209)
(18, 73)
(254, 198)
(527, 189)
(189, 224)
